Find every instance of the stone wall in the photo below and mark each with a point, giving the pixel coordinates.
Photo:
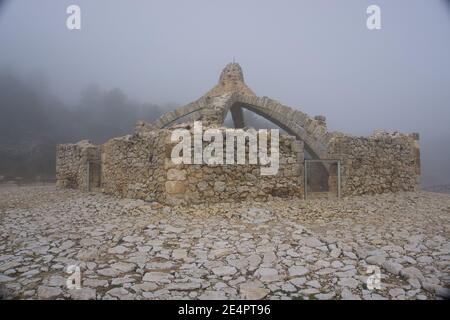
(72, 164)
(133, 166)
(228, 183)
(379, 163)
(140, 166)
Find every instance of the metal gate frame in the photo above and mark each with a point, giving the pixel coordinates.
(89, 168)
(88, 176)
(305, 172)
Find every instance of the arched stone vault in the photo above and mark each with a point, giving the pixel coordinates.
(294, 122)
(232, 95)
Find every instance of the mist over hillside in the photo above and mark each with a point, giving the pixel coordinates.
(33, 121)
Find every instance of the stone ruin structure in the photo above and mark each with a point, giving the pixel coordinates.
(140, 166)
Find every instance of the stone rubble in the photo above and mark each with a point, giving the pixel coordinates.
(131, 249)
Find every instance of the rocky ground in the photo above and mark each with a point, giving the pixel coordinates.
(290, 249)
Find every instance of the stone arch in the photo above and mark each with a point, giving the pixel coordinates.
(189, 109)
(312, 132)
(213, 109)
(294, 122)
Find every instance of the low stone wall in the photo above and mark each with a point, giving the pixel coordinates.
(379, 163)
(140, 166)
(229, 183)
(133, 166)
(72, 163)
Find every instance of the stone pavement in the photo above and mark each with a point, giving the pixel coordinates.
(290, 249)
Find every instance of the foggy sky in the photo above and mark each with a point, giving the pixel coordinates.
(315, 55)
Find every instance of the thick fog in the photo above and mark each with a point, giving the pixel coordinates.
(137, 59)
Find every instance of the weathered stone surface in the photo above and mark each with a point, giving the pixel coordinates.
(412, 273)
(219, 186)
(176, 175)
(325, 296)
(83, 294)
(161, 277)
(175, 187)
(297, 271)
(120, 293)
(256, 215)
(380, 163)
(392, 267)
(56, 281)
(253, 291)
(4, 278)
(133, 239)
(212, 295)
(94, 283)
(109, 272)
(312, 242)
(179, 254)
(45, 292)
(395, 292)
(184, 286)
(118, 250)
(376, 260)
(348, 282)
(267, 274)
(205, 252)
(124, 266)
(174, 229)
(145, 286)
(224, 271)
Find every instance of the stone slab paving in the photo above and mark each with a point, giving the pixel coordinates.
(289, 249)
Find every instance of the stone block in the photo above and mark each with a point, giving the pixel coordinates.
(176, 175)
(175, 187)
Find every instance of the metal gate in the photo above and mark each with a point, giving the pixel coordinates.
(322, 178)
(93, 173)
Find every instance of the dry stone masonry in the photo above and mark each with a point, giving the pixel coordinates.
(379, 163)
(76, 164)
(139, 165)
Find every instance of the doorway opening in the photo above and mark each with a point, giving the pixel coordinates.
(93, 173)
(322, 178)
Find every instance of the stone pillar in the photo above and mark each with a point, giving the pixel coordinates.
(238, 117)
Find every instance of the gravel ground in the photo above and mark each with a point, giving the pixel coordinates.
(290, 249)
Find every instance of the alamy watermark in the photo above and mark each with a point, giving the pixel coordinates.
(73, 281)
(73, 21)
(374, 20)
(189, 149)
(374, 280)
